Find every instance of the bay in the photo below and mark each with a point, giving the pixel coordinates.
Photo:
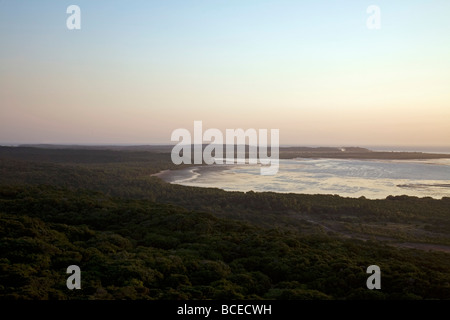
(373, 179)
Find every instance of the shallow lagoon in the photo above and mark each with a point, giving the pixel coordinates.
(374, 179)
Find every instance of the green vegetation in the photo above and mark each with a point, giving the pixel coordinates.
(137, 237)
(136, 249)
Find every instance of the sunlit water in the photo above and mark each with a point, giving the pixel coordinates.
(374, 179)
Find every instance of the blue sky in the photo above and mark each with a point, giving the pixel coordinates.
(137, 70)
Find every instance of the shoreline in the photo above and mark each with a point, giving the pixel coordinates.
(160, 173)
(168, 174)
(182, 175)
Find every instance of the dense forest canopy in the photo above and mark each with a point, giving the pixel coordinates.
(135, 236)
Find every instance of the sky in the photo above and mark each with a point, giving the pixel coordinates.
(137, 70)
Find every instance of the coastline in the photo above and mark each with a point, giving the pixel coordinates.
(196, 175)
(369, 156)
(158, 174)
(173, 175)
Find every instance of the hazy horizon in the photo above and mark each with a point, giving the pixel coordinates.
(137, 71)
(397, 148)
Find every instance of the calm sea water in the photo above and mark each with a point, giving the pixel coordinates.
(374, 179)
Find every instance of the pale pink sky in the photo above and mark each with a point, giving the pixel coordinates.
(315, 73)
